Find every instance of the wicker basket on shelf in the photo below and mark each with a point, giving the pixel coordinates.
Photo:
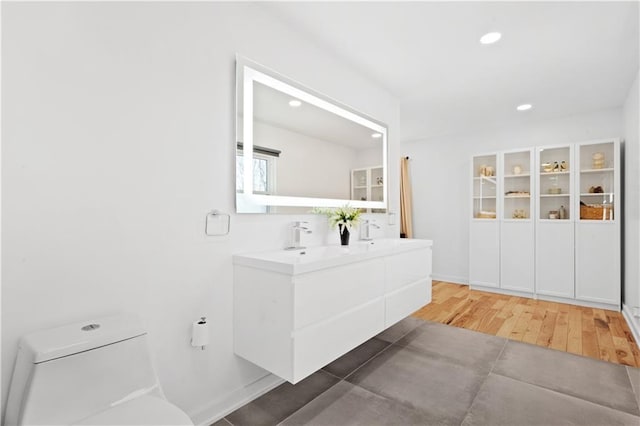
(596, 212)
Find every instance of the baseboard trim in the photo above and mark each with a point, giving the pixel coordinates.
(235, 400)
(450, 279)
(508, 292)
(546, 297)
(634, 324)
(578, 302)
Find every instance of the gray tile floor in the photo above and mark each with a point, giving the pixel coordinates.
(424, 373)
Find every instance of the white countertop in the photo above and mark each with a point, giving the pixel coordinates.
(294, 262)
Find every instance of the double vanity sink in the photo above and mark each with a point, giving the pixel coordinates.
(296, 311)
(321, 257)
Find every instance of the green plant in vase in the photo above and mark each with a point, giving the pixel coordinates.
(345, 218)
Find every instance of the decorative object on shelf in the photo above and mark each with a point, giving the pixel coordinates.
(597, 160)
(379, 180)
(517, 169)
(562, 213)
(345, 217)
(486, 170)
(556, 166)
(555, 190)
(596, 211)
(486, 215)
(553, 214)
(517, 194)
(596, 190)
(519, 214)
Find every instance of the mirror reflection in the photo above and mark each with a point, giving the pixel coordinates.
(301, 150)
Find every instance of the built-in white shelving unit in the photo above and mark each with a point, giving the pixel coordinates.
(554, 260)
(516, 228)
(484, 232)
(367, 185)
(598, 227)
(546, 223)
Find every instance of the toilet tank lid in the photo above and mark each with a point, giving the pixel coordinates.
(47, 345)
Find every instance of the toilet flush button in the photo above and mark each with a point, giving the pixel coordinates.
(90, 327)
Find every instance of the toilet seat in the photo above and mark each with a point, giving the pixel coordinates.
(144, 410)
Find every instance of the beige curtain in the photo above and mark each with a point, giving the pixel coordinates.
(406, 226)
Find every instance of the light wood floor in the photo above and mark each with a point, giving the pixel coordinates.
(596, 333)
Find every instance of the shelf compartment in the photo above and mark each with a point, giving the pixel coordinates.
(491, 179)
(555, 173)
(604, 170)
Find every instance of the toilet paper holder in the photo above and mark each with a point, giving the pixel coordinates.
(200, 333)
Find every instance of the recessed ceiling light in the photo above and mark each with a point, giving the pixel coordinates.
(376, 135)
(524, 107)
(490, 38)
(295, 103)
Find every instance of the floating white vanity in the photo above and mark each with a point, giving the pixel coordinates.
(296, 311)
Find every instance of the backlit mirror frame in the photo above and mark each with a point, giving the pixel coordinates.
(248, 73)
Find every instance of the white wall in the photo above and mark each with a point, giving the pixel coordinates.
(369, 158)
(307, 166)
(118, 137)
(631, 113)
(441, 170)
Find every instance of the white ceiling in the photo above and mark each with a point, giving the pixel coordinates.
(272, 106)
(563, 57)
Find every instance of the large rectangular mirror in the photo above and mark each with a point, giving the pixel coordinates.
(297, 149)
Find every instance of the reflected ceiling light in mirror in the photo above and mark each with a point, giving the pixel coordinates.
(524, 107)
(294, 103)
(490, 38)
(376, 135)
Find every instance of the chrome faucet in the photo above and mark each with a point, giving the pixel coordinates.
(365, 229)
(296, 230)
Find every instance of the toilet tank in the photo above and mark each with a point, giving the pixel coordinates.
(66, 374)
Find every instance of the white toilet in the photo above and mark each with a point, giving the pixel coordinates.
(93, 373)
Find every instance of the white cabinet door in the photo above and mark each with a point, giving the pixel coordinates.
(484, 258)
(406, 268)
(517, 256)
(407, 300)
(554, 258)
(321, 343)
(326, 293)
(408, 284)
(598, 262)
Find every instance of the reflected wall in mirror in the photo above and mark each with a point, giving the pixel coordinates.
(297, 149)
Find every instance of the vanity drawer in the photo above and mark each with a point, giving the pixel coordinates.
(407, 300)
(318, 345)
(326, 293)
(406, 268)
